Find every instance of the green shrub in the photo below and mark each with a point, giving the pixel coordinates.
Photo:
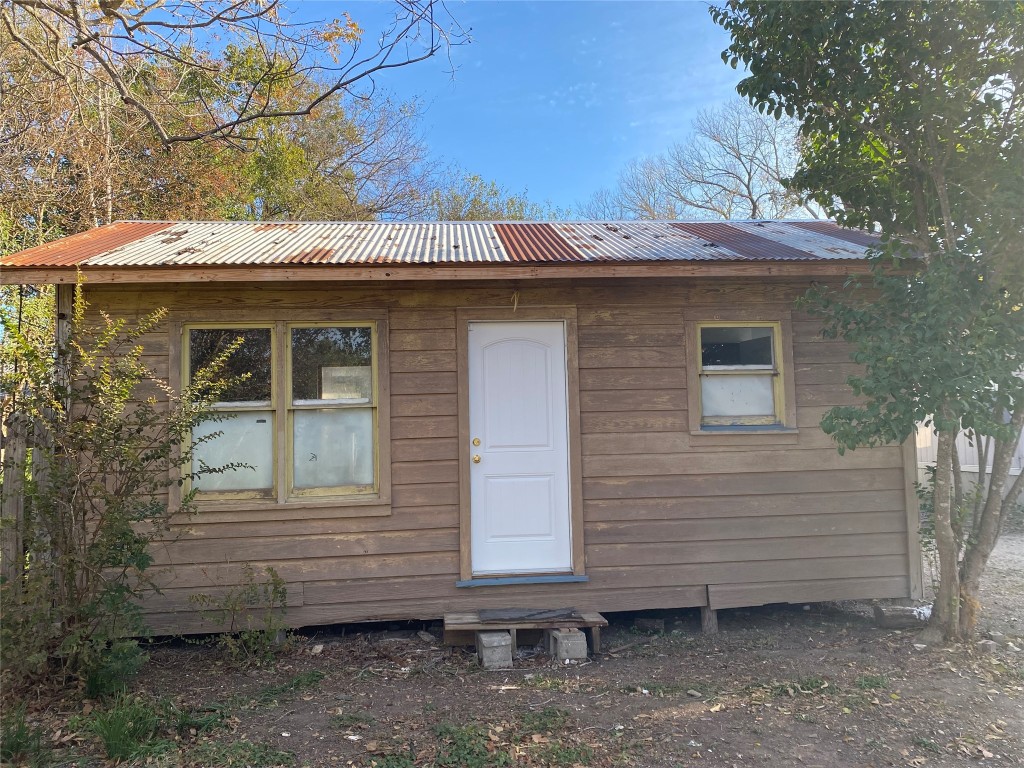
(110, 670)
(105, 438)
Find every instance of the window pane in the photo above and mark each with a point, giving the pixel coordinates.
(253, 357)
(248, 438)
(736, 395)
(332, 365)
(333, 447)
(736, 345)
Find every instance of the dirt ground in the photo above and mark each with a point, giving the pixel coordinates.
(784, 685)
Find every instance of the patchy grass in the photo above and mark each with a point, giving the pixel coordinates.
(805, 686)
(303, 681)
(871, 682)
(558, 754)
(545, 721)
(239, 754)
(21, 743)
(190, 721)
(466, 746)
(544, 682)
(343, 720)
(128, 728)
(927, 744)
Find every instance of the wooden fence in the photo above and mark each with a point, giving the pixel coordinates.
(970, 455)
(20, 444)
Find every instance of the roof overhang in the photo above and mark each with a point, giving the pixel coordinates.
(95, 275)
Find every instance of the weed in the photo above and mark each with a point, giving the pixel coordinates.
(191, 721)
(543, 682)
(658, 690)
(395, 760)
(21, 742)
(126, 728)
(926, 743)
(351, 719)
(872, 682)
(465, 746)
(546, 720)
(301, 682)
(856, 701)
(564, 755)
(250, 615)
(242, 753)
(806, 686)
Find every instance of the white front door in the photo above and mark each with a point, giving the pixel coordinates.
(519, 448)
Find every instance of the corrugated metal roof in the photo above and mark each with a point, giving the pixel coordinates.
(641, 241)
(77, 249)
(830, 228)
(225, 243)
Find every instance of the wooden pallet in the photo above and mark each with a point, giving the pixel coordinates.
(512, 619)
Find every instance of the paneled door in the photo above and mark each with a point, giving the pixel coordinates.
(519, 448)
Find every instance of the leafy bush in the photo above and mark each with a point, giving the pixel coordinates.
(107, 436)
(111, 669)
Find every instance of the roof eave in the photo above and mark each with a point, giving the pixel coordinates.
(358, 273)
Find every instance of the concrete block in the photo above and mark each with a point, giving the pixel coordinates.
(494, 649)
(566, 644)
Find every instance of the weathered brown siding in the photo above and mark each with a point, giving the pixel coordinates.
(670, 519)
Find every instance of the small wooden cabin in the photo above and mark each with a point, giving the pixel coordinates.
(456, 416)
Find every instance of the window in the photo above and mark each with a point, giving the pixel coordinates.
(739, 374)
(305, 421)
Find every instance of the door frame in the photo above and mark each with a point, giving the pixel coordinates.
(567, 315)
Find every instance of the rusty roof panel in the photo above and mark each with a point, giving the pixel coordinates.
(751, 246)
(639, 241)
(536, 242)
(831, 229)
(76, 249)
(813, 244)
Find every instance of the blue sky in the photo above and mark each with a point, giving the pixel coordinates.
(554, 97)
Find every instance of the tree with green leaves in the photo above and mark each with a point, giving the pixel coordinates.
(461, 196)
(912, 122)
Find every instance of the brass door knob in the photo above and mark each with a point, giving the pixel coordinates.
(476, 458)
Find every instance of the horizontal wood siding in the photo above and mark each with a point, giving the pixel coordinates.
(671, 519)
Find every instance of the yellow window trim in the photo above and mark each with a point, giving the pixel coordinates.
(776, 372)
(282, 409)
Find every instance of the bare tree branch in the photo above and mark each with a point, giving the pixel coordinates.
(734, 165)
(250, 48)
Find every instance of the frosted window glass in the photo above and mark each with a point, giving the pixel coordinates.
(738, 395)
(333, 447)
(247, 438)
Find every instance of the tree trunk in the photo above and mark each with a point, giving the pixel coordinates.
(988, 526)
(946, 614)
